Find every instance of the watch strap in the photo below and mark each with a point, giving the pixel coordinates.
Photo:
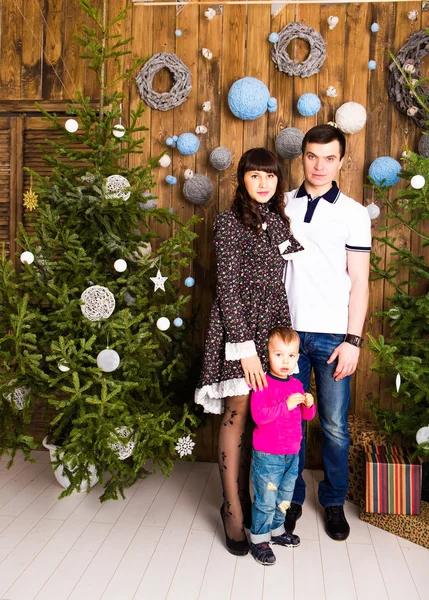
(354, 340)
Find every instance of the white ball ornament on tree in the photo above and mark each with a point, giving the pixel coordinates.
(27, 258)
(71, 125)
(398, 382)
(373, 210)
(417, 182)
(422, 436)
(118, 131)
(99, 303)
(163, 323)
(394, 313)
(115, 187)
(108, 360)
(120, 265)
(63, 366)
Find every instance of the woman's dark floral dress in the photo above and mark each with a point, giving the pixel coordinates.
(250, 300)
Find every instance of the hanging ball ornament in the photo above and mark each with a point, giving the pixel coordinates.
(249, 99)
(308, 105)
(108, 360)
(71, 125)
(171, 180)
(385, 171)
(220, 158)
(99, 303)
(27, 258)
(118, 131)
(422, 436)
(115, 186)
(163, 323)
(350, 117)
(375, 27)
(188, 143)
(63, 366)
(198, 189)
(120, 265)
(394, 313)
(165, 161)
(372, 65)
(129, 299)
(178, 33)
(373, 210)
(189, 282)
(423, 147)
(289, 142)
(417, 182)
(178, 322)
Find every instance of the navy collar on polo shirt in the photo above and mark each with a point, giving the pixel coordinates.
(330, 196)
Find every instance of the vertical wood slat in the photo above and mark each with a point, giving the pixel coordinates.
(53, 64)
(8, 173)
(32, 50)
(11, 49)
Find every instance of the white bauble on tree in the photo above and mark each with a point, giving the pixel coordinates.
(99, 303)
(63, 366)
(115, 187)
(108, 360)
(422, 436)
(118, 131)
(71, 125)
(417, 182)
(163, 323)
(120, 265)
(27, 258)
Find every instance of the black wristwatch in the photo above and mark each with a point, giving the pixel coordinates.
(354, 340)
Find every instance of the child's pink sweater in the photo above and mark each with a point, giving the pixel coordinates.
(278, 430)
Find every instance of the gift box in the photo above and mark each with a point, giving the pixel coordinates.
(362, 432)
(393, 481)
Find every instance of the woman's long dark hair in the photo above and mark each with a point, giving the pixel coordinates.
(246, 209)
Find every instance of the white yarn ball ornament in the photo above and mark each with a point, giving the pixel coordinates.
(27, 258)
(71, 125)
(120, 265)
(115, 186)
(350, 117)
(108, 360)
(417, 182)
(99, 303)
(373, 210)
(165, 161)
(422, 436)
(163, 323)
(124, 450)
(18, 397)
(118, 131)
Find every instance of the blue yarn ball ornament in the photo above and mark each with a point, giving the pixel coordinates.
(169, 141)
(375, 27)
(175, 138)
(272, 105)
(171, 180)
(177, 33)
(178, 322)
(309, 105)
(273, 38)
(249, 98)
(188, 143)
(385, 168)
(189, 281)
(372, 65)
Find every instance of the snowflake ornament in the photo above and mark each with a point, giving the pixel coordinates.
(30, 200)
(159, 281)
(184, 446)
(123, 450)
(18, 397)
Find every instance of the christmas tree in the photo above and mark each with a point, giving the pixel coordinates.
(88, 319)
(404, 357)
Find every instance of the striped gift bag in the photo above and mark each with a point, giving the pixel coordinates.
(393, 481)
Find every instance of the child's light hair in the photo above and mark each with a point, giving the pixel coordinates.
(286, 334)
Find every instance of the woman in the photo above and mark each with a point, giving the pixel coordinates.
(250, 240)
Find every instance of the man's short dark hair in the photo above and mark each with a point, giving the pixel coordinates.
(323, 134)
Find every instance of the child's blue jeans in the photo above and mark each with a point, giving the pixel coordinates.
(273, 480)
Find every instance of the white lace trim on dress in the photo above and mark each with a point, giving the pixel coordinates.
(240, 350)
(211, 396)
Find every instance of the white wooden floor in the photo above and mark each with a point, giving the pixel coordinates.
(164, 542)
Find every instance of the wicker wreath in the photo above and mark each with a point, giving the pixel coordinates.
(412, 53)
(182, 81)
(313, 62)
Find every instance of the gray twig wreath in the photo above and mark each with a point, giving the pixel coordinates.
(312, 64)
(410, 58)
(182, 81)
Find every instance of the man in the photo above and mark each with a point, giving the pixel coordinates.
(327, 287)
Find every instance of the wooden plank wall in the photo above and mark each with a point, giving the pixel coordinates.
(40, 61)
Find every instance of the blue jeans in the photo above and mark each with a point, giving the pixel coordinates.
(273, 480)
(333, 402)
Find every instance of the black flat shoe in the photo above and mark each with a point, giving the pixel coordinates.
(293, 513)
(240, 548)
(336, 523)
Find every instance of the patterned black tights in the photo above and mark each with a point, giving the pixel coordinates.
(234, 465)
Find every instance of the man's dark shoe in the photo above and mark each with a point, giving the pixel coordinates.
(336, 523)
(263, 554)
(294, 512)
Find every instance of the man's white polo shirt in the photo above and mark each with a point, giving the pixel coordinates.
(316, 279)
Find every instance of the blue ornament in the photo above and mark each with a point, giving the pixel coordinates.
(175, 138)
(273, 38)
(189, 281)
(188, 143)
(177, 33)
(171, 180)
(309, 105)
(372, 65)
(178, 322)
(375, 27)
(272, 105)
(249, 98)
(169, 141)
(385, 168)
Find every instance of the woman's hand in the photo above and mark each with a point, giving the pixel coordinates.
(253, 373)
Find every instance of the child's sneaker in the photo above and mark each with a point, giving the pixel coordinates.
(286, 539)
(263, 554)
